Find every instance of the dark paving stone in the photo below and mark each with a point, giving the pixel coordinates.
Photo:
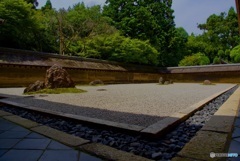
(13, 134)
(21, 155)
(57, 146)
(237, 122)
(234, 147)
(19, 128)
(2, 152)
(236, 132)
(60, 155)
(238, 140)
(87, 157)
(32, 144)
(1, 131)
(233, 159)
(8, 143)
(6, 126)
(34, 135)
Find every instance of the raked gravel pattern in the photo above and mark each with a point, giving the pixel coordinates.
(162, 149)
(137, 104)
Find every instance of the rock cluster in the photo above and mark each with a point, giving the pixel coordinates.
(207, 82)
(165, 82)
(96, 82)
(56, 77)
(163, 148)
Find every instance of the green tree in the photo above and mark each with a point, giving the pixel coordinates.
(145, 20)
(48, 5)
(33, 2)
(21, 28)
(220, 34)
(48, 31)
(84, 23)
(119, 48)
(195, 59)
(235, 54)
(177, 46)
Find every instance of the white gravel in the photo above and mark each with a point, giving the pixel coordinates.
(138, 104)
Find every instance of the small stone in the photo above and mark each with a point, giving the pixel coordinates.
(105, 142)
(153, 144)
(110, 138)
(135, 144)
(96, 138)
(167, 141)
(111, 143)
(157, 155)
(172, 146)
(172, 140)
(167, 155)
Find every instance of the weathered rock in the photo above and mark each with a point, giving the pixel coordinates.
(57, 77)
(156, 155)
(207, 82)
(38, 85)
(96, 82)
(161, 80)
(166, 82)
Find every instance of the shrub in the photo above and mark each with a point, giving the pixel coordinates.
(195, 59)
(216, 60)
(235, 54)
(122, 49)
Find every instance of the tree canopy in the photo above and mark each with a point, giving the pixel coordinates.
(146, 20)
(134, 31)
(195, 59)
(220, 36)
(21, 27)
(119, 48)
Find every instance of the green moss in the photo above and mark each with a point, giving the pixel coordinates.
(163, 84)
(57, 91)
(88, 85)
(207, 84)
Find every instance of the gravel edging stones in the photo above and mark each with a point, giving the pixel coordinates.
(218, 131)
(158, 149)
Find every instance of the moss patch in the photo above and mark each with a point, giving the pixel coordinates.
(207, 84)
(56, 91)
(87, 85)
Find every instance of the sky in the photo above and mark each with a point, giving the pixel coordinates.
(188, 13)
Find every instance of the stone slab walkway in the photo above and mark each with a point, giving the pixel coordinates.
(235, 140)
(18, 143)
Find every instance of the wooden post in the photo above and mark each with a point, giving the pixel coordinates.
(238, 13)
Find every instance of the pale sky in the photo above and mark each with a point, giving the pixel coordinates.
(188, 13)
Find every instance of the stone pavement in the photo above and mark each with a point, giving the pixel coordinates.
(235, 140)
(20, 144)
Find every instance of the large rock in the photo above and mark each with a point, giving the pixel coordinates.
(38, 85)
(57, 77)
(161, 80)
(207, 82)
